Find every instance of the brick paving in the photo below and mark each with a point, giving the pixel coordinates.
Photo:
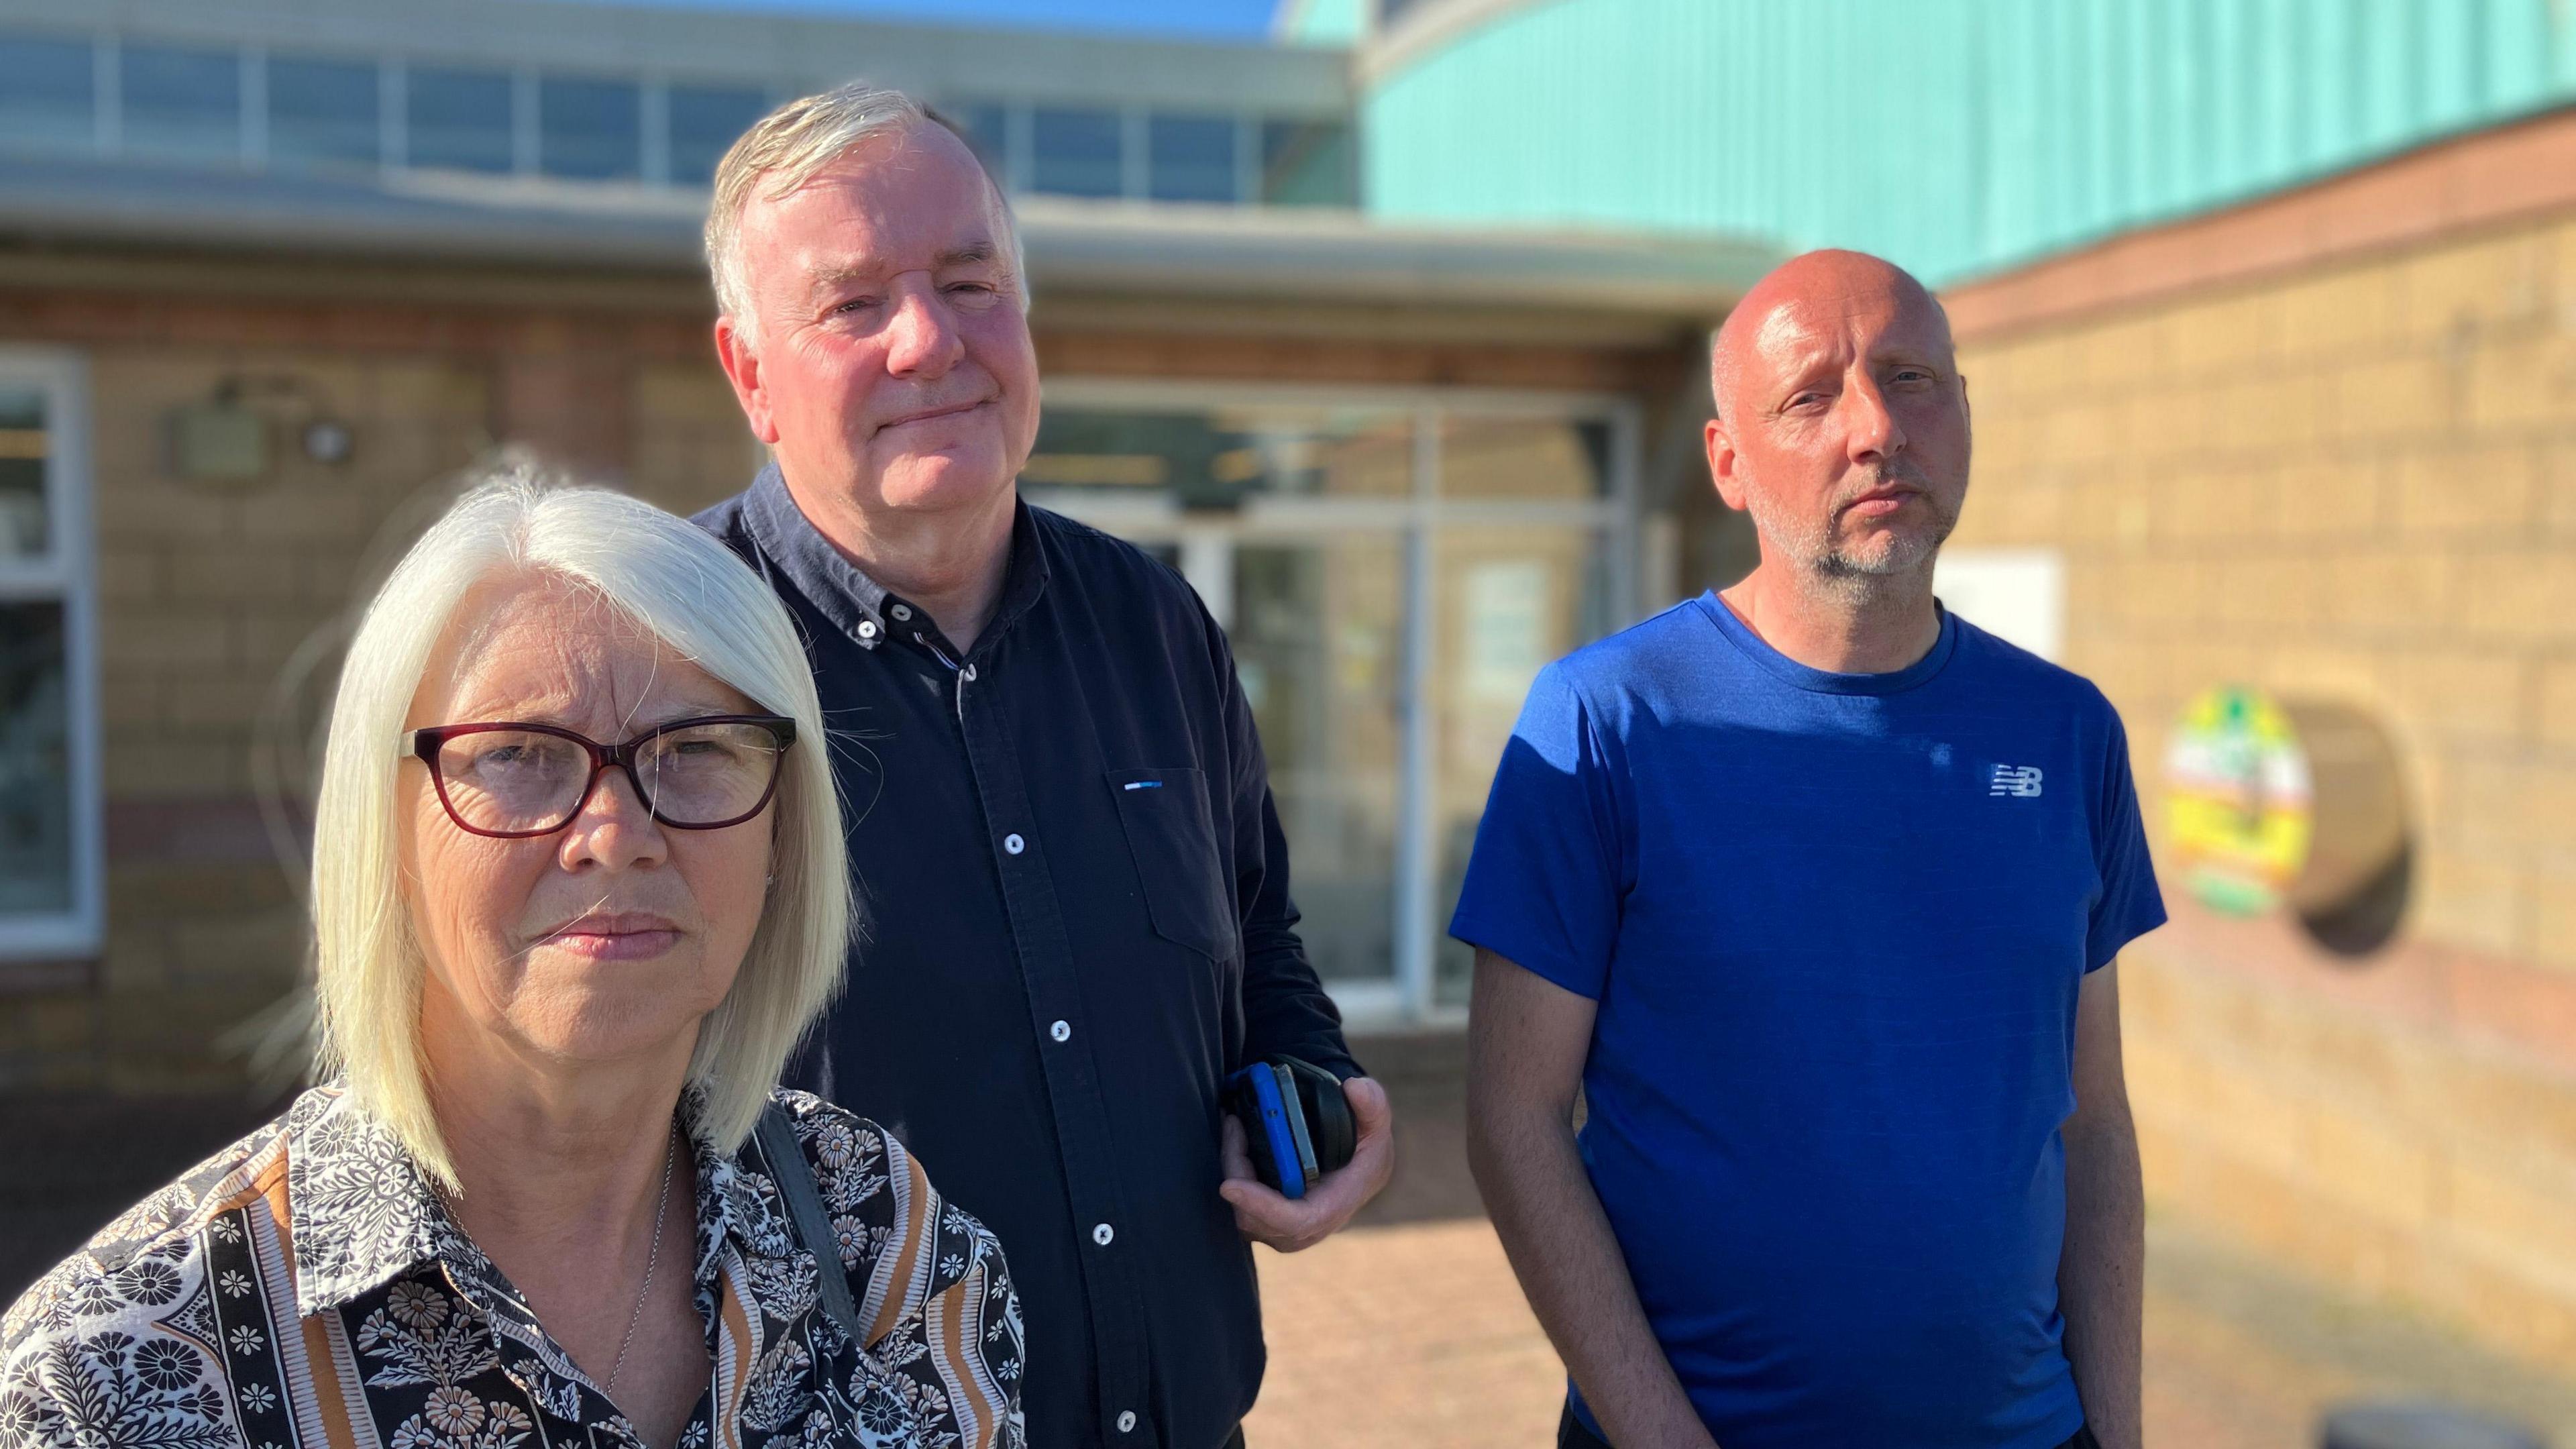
(1416, 1335)
(1410, 1330)
(1406, 1337)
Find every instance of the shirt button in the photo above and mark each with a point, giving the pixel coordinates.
(1127, 1422)
(900, 612)
(1061, 1031)
(1014, 844)
(867, 628)
(1102, 1233)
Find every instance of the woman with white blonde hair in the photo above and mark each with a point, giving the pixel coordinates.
(578, 890)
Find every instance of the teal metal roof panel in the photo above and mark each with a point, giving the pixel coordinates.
(1957, 136)
(1320, 22)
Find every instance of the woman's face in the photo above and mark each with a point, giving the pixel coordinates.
(610, 938)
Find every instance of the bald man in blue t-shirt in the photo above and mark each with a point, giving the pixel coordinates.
(1814, 889)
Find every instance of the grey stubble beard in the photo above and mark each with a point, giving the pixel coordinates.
(1827, 571)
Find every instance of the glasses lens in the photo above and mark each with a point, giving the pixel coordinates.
(512, 780)
(707, 774)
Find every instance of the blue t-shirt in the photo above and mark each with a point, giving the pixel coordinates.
(1835, 924)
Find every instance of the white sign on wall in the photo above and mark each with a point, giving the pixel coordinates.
(1506, 609)
(2018, 594)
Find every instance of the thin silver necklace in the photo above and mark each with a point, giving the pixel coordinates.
(670, 1155)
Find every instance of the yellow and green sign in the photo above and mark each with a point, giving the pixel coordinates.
(2239, 800)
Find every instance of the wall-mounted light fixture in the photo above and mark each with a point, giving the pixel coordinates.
(328, 440)
(219, 441)
(227, 438)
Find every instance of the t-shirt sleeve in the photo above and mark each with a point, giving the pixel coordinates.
(1550, 865)
(2130, 904)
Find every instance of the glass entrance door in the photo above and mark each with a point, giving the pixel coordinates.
(1391, 574)
(1318, 634)
(1317, 629)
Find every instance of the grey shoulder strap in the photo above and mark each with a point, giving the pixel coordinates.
(795, 1179)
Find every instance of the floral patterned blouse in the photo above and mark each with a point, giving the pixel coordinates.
(304, 1289)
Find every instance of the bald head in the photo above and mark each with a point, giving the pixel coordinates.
(1798, 295)
(1842, 423)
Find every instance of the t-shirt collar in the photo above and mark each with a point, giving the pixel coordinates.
(1825, 681)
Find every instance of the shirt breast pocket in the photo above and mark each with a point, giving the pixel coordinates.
(1173, 841)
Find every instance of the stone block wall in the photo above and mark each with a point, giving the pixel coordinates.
(2361, 485)
(2347, 475)
(220, 603)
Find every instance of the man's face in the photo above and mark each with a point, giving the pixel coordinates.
(890, 364)
(1846, 427)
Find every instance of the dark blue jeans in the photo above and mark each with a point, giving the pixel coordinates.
(1570, 1434)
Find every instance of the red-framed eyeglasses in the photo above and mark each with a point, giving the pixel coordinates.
(510, 780)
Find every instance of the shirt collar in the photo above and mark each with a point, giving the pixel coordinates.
(361, 1213)
(726, 1204)
(856, 604)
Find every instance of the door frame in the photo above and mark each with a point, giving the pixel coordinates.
(66, 572)
(1206, 541)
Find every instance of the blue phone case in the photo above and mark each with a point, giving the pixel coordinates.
(1281, 1144)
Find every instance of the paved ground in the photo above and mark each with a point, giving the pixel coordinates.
(1415, 1335)
(1409, 1330)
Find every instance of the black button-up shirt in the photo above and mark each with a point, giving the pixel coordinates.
(1074, 896)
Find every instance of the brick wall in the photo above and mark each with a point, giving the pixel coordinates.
(206, 592)
(2349, 476)
(220, 605)
(209, 591)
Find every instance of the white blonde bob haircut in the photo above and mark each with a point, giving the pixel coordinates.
(677, 582)
(797, 142)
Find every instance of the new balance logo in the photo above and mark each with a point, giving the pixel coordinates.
(2019, 781)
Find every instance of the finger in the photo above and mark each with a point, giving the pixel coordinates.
(1271, 1209)
(1337, 1195)
(1332, 1198)
(1270, 1216)
(1373, 1154)
(1233, 1156)
(1371, 1112)
(1261, 1204)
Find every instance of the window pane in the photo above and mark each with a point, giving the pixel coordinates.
(1077, 153)
(459, 119)
(592, 129)
(1190, 158)
(1318, 637)
(705, 122)
(47, 95)
(182, 103)
(1309, 163)
(26, 527)
(35, 761)
(987, 125)
(1510, 599)
(1535, 461)
(321, 112)
(1217, 459)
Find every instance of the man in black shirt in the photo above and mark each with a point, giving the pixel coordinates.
(1071, 873)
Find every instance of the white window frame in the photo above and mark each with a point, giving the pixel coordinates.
(67, 572)
(1409, 996)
